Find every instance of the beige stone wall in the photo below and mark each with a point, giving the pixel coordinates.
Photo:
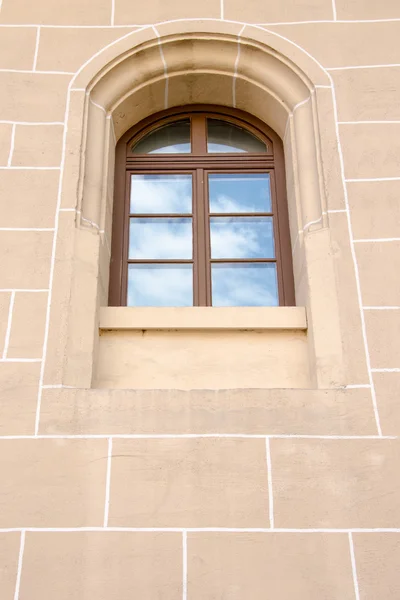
(284, 486)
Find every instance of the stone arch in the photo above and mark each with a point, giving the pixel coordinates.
(180, 63)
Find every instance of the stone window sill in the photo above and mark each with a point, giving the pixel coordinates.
(203, 318)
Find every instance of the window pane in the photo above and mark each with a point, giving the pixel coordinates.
(242, 237)
(161, 194)
(251, 284)
(225, 137)
(169, 139)
(160, 285)
(246, 192)
(155, 237)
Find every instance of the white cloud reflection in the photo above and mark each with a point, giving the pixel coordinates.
(172, 238)
(244, 285)
(160, 285)
(161, 194)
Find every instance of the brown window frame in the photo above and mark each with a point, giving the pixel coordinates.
(199, 163)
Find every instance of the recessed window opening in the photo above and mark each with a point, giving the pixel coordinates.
(200, 214)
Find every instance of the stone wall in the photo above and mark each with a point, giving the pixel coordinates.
(239, 494)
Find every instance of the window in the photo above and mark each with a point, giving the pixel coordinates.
(200, 214)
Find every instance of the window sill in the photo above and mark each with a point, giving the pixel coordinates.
(209, 318)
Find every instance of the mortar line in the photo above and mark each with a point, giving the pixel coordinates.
(31, 122)
(329, 530)
(12, 142)
(184, 565)
(10, 168)
(19, 569)
(108, 482)
(164, 66)
(355, 264)
(52, 261)
(112, 13)
(270, 489)
(376, 240)
(371, 179)
(36, 49)
(389, 370)
(388, 122)
(235, 69)
(334, 10)
(27, 71)
(353, 567)
(9, 322)
(186, 436)
(22, 290)
(381, 307)
(222, 9)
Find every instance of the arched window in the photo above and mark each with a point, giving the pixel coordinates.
(200, 213)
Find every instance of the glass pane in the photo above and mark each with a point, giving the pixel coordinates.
(225, 137)
(154, 238)
(242, 237)
(168, 139)
(160, 285)
(161, 194)
(246, 192)
(251, 284)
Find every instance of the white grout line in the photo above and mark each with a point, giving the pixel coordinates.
(354, 67)
(393, 370)
(141, 25)
(26, 229)
(222, 9)
(52, 261)
(368, 122)
(112, 13)
(301, 104)
(337, 210)
(19, 570)
(334, 10)
(358, 386)
(164, 65)
(9, 321)
(10, 155)
(355, 264)
(270, 490)
(60, 386)
(108, 482)
(371, 179)
(353, 567)
(375, 240)
(36, 49)
(381, 307)
(200, 530)
(235, 70)
(96, 104)
(186, 436)
(32, 123)
(184, 565)
(26, 71)
(21, 290)
(20, 360)
(9, 168)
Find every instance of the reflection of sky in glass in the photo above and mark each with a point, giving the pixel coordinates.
(161, 194)
(239, 193)
(244, 285)
(160, 238)
(169, 139)
(242, 237)
(246, 192)
(160, 285)
(225, 137)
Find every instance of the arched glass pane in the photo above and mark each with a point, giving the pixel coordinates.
(226, 137)
(168, 139)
